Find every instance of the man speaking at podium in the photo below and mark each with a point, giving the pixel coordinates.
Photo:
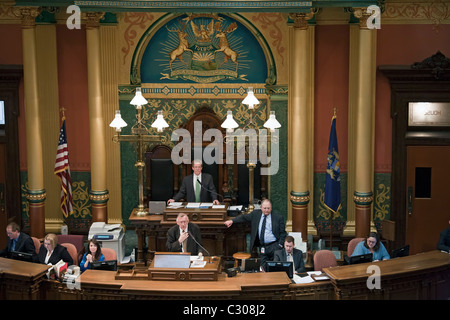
(184, 237)
(197, 187)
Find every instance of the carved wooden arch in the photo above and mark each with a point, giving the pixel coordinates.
(209, 120)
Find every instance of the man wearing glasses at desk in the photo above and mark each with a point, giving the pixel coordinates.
(17, 241)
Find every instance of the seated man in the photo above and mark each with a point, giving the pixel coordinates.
(289, 253)
(17, 241)
(184, 237)
(197, 187)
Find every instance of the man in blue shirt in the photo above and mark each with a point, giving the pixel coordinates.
(17, 241)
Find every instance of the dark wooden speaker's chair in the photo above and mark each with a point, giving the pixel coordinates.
(219, 171)
(259, 189)
(161, 177)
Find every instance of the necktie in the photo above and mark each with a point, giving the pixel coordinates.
(291, 258)
(13, 245)
(263, 231)
(184, 245)
(197, 190)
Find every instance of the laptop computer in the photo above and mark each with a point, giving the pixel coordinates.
(361, 258)
(400, 252)
(156, 207)
(251, 265)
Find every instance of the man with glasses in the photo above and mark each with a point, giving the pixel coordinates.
(184, 237)
(17, 241)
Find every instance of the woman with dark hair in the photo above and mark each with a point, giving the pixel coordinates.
(94, 253)
(372, 244)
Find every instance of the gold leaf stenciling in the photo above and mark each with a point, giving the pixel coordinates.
(270, 21)
(381, 205)
(25, 204)
(134, 19)
(81, 203)
(323, 211)
(436, 12)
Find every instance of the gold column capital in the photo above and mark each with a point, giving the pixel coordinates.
(28, 15)
(301, 19)
(362, 15)
(93, 19)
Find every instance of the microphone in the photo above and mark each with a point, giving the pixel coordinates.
(213, 192)
(190, 234)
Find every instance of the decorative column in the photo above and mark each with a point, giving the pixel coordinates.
(36, 193)
(301, 107)
(99, 195)
(47, 64)
(365, 125)
(110, 97)
(349, 229)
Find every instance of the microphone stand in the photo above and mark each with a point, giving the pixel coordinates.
(213, 192)
(209, 255)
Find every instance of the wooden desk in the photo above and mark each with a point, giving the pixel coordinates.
(101, 285)
(21, 280)
(421, 276)
(216, 237)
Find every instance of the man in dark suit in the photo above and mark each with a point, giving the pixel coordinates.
(17, 241)
(290, 253)
(180, 237)
(268, 230)
(192, 190)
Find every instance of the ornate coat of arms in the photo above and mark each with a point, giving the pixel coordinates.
(204, 48)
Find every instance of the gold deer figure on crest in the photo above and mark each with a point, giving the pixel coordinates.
(224, 46)
(183, 46)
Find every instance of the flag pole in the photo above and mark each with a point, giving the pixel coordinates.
(331, 229)
(331, 211)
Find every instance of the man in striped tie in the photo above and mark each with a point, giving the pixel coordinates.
(290, 253)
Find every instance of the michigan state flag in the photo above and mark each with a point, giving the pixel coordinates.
(332, 197)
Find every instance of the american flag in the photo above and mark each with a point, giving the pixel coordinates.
(62, 170)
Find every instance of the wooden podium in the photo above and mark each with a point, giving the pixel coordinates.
(151, 230)
(173, 266)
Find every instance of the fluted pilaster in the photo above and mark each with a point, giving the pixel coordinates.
(36, 192)
(99, 194)
(301, 117)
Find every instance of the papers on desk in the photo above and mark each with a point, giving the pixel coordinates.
(311, 277)
(198, 264)
(306, 279)
(197, 261)
(175, 205)
(235, 208)
(218, 206)
(205, 205)
(193, 205)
